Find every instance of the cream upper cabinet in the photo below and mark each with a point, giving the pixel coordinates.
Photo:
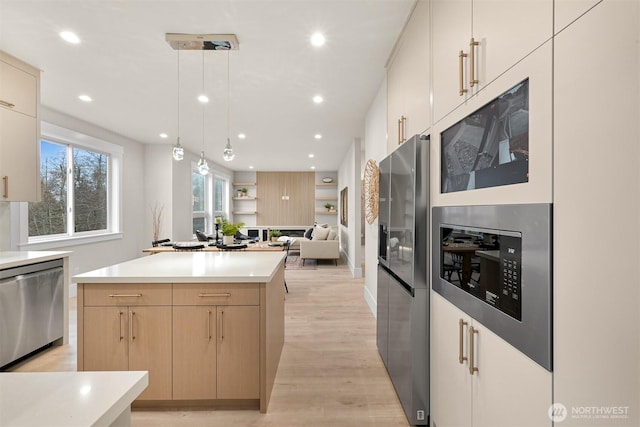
(408, 110)
(567, 11)
(596, 176)
(19, 130)
(475, 373)
(470, 48)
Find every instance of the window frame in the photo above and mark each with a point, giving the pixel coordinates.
(210, 213)
(72, 139)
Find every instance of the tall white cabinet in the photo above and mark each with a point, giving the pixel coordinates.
(19, 130)
(597, 211)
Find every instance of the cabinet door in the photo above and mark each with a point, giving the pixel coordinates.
(450, 379)
(596, 175)
(408, 79)
(507, 31)
(194, 352)
(567, 11)
(450, 33)
(508, 388)
(150, 349)
(19, 163)
(106, 336)
(238, 352)
(19, 89)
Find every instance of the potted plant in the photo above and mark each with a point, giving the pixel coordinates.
(229, 230)
(328, 206)
(244, 191)
(274, 234)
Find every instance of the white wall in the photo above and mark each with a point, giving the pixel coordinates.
(375, 147)
(349, 176)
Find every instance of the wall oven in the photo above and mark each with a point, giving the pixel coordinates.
(495, 264)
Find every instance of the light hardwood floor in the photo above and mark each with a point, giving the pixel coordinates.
(330, 373)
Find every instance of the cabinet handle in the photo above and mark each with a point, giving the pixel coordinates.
(209, 324)
(5, 187)
(125, 295)
(132, 315)
(225, 295)
(399, 131)
(461, 57)
(472, 367)
(7, 104)
(403, 125)
(472, 62)
(461, 356)
(221, 325)
(121, 336)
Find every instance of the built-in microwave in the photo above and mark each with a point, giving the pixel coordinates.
(495, 264)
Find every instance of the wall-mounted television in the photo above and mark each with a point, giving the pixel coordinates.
(489, 147)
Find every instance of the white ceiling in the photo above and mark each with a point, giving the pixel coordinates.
(124, 63)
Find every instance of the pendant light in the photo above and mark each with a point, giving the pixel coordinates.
(203, 167)
(178, 151)
(228, 153)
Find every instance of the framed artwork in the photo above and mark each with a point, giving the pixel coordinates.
(344, 211)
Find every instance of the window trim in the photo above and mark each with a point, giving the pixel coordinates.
(20, 214)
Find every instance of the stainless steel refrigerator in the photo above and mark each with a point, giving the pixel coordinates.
(403, 274)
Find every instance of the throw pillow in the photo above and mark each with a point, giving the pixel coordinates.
(308, 233)
(321, 233)
(332, 235)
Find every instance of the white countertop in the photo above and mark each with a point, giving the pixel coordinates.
(190, 267)
(67, 399)
(10, 259)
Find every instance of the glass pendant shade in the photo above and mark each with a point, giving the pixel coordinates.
(178, 151)
(228, 154)
(203, 167)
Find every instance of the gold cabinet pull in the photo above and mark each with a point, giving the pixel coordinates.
(399, 131)
(7, 104)
(221, 325)
(125, 295)
(461, 57)
(132, 316)
(472, 359)
(403, 125)
(121, 336)
(209, 324)
(472, 62)
(5, 187)
(224, 295)
(461, 356)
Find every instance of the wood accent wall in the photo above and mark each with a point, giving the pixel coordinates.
(298, 210)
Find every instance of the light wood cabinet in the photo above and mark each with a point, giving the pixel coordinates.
(475, 41)
(596, 176)
(19, 130)
(408, 77)
(464, 396)
(131, 338)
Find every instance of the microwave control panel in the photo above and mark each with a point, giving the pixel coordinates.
(510, 298)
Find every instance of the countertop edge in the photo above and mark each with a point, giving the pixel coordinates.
(46, 256)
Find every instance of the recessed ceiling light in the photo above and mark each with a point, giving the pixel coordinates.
(317, 39)
(318, 99)
(311, 156)
(242, 136)
(70, 37)
(313, 167)
(85, 98)
(164, 135)
(318, 136)
(250, 167)
(203, 99)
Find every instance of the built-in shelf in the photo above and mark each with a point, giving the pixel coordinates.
(244, 212)
(326, 184)
(244, 184)
(327, 199)
(245, 198)
(326, 213)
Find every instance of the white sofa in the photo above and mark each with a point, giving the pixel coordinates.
(315, 248)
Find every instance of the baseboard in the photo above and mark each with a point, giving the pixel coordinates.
(356, 272)
(371, 302)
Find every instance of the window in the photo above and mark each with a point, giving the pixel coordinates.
(209, 199)
(80, 189)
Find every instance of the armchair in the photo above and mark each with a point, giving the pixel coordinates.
(320, 249)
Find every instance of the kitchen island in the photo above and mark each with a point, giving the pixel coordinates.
(209, 327)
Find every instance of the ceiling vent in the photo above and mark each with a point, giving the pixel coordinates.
(202, 41)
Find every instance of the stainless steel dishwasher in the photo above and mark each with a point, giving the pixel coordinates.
(31, 308)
